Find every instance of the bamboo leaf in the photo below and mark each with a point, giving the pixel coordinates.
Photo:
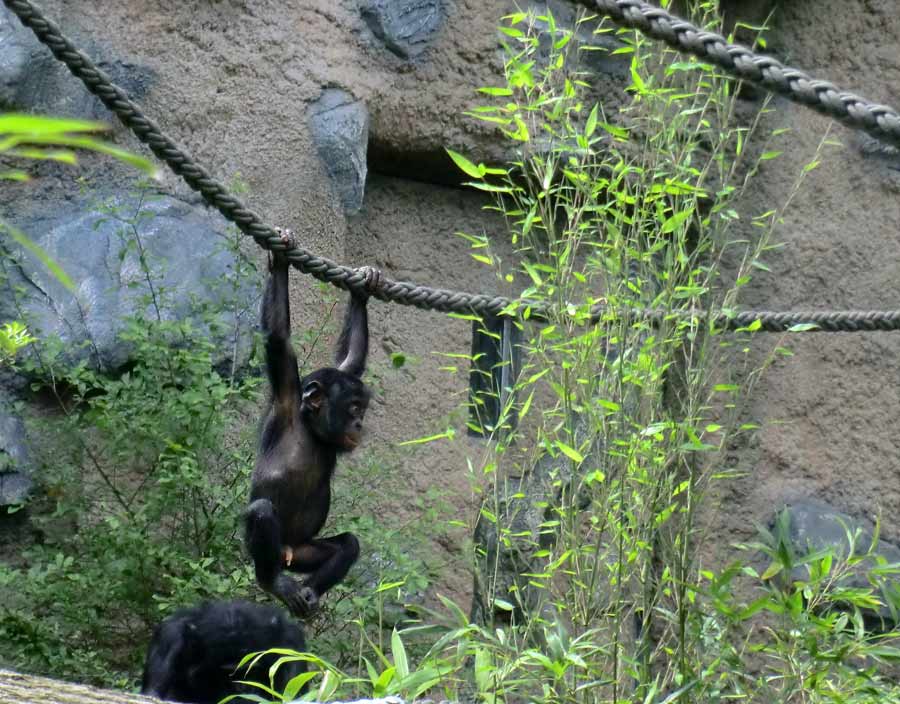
(466, 166)
(38, 252)
(569, 452)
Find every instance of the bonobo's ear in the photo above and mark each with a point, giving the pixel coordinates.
(313, 394)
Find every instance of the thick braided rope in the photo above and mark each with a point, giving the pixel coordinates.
(825, 321)
(769, 321)
(879, 121)
(215, 194)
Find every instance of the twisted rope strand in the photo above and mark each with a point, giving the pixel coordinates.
(880, 121)
(629, 12)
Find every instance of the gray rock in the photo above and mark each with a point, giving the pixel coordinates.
(187, 257)
(595, 51)
(405, 26)
(15, 488)
(15, 469)
(16, 43)
(816, 526)
(340, 126)
(32, 79)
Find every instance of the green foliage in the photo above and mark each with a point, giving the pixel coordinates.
(38, 138)
(144, 472)
(41, 138)
(13, 337)
(393, 569)
(144, 476)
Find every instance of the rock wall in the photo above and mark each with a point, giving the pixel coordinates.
(335, 114)
(829, 413)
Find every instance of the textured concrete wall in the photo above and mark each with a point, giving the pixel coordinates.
(829, 413)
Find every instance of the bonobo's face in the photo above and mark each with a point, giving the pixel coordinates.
(333, 406)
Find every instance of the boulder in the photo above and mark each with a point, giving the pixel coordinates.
(340, 127)
(15, 469)
(595, 51)
(817, 526)
(187, 257)
(31, 79)
(405, 26)
(15, 44)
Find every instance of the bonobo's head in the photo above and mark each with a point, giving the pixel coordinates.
(333, 405)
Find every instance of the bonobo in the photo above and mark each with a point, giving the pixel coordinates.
(308, 422)
(195, 652)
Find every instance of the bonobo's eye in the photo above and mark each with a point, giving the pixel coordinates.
(355, 410)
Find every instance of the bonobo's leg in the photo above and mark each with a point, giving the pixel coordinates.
(264, 544)
(326, 561)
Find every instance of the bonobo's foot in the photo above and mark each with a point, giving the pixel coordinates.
(301, 600)
(372, 278)
(310, 598)
(287, 238)
(287, 554)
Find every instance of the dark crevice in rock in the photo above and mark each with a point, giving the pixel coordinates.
(421, 165)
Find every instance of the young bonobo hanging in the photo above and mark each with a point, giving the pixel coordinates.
(308, 423)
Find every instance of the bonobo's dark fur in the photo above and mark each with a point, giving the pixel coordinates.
(308, 423)
(195, 652)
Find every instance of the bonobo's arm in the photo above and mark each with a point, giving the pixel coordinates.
(353, 344)
(281, 362)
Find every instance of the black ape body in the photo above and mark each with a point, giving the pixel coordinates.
(195, 652)
(308, 423)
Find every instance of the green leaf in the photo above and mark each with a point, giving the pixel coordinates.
(14, 176)
(62, 155)
(294, 686)
(771, 571)
(379, 688)
(569, 452)
(448, 434)
(521, 133)
(636, 80)
(490, 187)
(389, 585)
(466, 166)
(484, 667)
(95, 145)
(399, 652)
(496, 91)
(803, 327)
(38, 252)
(673, 223)
(40, 125)
(591, 124)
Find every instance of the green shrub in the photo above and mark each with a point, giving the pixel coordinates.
(145, 474)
